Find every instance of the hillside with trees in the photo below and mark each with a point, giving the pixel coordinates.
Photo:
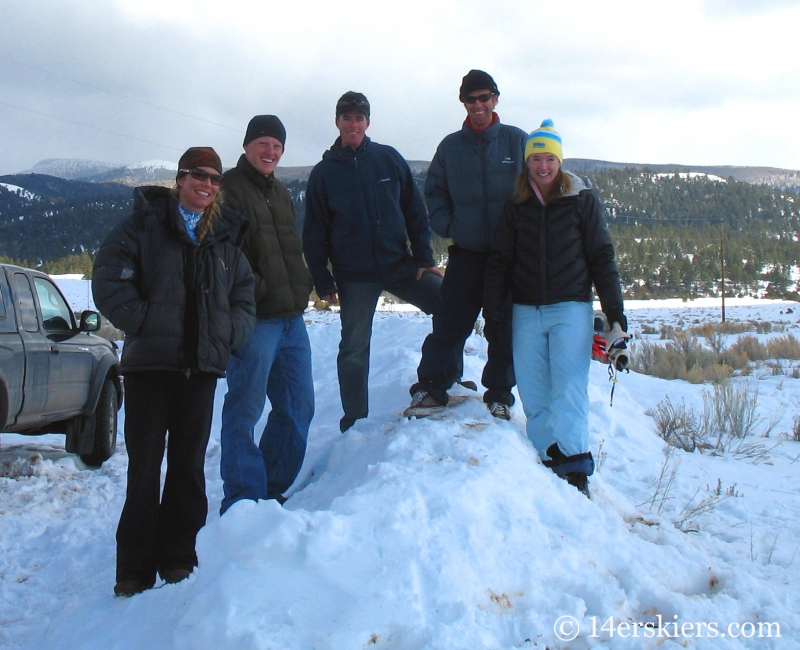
(670, 228)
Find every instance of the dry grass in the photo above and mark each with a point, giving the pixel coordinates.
(728, 418)
(685, 356)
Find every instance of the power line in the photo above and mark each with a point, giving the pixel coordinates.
(111, 92)
(89, 126)
(127, 97)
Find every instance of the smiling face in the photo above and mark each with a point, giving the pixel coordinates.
(197, 195)
(352, 127)
(480, 113)
(544, 168)
(263, 154)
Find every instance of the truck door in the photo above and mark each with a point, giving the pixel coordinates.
(71, 361)
(37, 351)
(12, 355)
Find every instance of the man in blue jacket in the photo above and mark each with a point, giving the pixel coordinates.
(469, 180)
(362, 209)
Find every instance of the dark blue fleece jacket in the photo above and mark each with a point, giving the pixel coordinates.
(362, 209)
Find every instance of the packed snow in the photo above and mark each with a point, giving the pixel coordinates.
(19, 191)
(438, 533)
(154, 164)
(690, 175)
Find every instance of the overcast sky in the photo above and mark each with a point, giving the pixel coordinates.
(703, 82)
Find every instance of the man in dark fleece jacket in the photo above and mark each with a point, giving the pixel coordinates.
(469, 180)
(276, 362)
(362, 209)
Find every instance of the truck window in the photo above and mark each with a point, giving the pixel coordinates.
(55, 311)
(2, 299)
(27, 308)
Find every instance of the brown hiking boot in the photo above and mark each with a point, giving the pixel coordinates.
(126, 588)
(171, 576)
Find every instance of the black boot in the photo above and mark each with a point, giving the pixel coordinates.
(560, 463)
(580, 481)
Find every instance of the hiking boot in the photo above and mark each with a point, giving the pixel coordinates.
(580, 481)
(422, 404)
(171, 576)
(126, 588)
(500, 410)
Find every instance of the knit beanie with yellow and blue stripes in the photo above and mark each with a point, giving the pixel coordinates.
(545, 139)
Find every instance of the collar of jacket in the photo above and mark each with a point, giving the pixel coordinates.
(576, 187)
(338, 151)
(489, 133)
(263, 183)
(152, 203)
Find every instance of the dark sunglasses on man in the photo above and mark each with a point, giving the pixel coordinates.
(478, 98)
(201, 176)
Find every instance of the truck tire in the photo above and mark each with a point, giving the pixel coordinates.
(105, 427)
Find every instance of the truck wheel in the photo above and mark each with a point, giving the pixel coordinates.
(105, 427)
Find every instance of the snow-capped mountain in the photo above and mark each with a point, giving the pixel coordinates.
(139, 173)
(70, 168)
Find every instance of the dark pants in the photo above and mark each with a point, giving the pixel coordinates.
(461, 303)
(158, 534)
(358, 301)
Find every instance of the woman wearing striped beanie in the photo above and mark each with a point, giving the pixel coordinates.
(551, 247)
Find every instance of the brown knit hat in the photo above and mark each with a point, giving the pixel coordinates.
(200, 157)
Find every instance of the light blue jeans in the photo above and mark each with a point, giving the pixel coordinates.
(552, 351)
(274, 363)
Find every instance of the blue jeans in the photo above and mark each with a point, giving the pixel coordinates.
(274, 363)
(552, 352)
(358, 301)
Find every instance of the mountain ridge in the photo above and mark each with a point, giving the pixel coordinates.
(162, 172)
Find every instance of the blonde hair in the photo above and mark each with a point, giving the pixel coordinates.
(210, 214)
(560, 186)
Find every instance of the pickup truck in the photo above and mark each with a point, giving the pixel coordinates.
(56, 376)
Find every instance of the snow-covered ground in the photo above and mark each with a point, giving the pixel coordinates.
(441, 533)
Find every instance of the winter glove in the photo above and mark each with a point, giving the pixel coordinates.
(617, 348)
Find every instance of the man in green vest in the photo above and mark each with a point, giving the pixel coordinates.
(276, 361)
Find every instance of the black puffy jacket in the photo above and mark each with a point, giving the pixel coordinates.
(182, 306)
(546, 254)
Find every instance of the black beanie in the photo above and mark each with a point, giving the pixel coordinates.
(265, 126)
(476, 80)
(352, 101)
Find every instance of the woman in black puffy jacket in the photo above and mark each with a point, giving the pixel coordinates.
(172, 277)
(551, 247)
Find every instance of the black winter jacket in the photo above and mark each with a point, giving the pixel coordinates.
(553, 253)
(272, 243)
(183, 307)
(469, 181)
(362, 209)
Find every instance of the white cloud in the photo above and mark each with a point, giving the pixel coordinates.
(618, 78)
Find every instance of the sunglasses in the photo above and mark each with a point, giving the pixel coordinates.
(200, 175)
(479, 98)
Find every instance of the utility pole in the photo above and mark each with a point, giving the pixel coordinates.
(722, 265)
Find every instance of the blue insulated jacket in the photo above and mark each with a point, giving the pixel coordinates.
(469, 181)
(362, 209)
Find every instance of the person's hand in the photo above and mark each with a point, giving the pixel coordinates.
(617, 347)
(429, 269)
(331, 299)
